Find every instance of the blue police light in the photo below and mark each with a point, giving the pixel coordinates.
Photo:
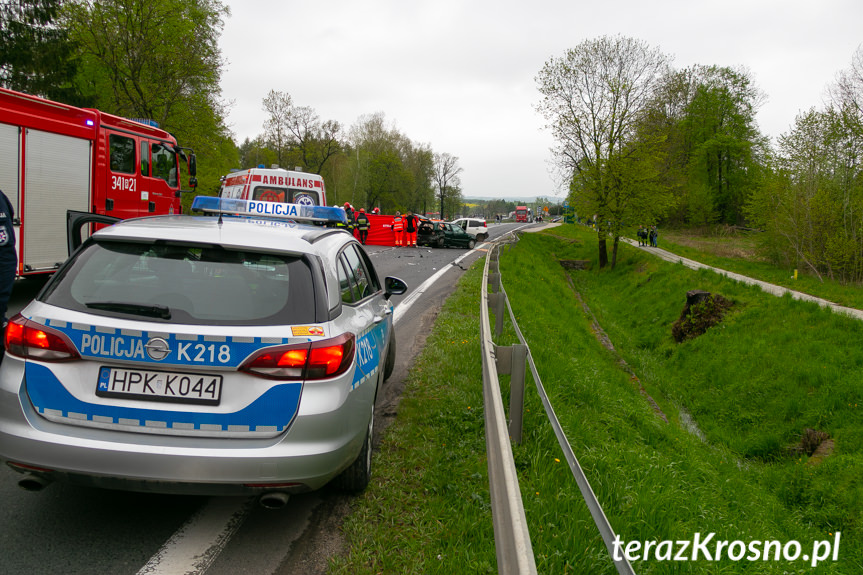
(297, 212)
(89, 123)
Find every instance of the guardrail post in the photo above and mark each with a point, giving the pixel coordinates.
(496, 303)
(499, 302)
(516, 391)
(512, 360)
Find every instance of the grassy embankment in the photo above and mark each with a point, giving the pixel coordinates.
(774, 367)
(739, 252)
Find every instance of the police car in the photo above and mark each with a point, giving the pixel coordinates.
(217, 354)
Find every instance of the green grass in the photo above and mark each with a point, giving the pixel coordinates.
(772, 368)
(427, 509)
(739, 253)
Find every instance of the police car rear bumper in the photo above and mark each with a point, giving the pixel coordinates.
(317, 447)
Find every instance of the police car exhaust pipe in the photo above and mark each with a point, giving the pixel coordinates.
(274, 500)
(32, 482)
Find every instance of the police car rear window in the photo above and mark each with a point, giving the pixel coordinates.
(191, 284)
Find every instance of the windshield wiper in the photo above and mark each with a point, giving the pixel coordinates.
(157, 311)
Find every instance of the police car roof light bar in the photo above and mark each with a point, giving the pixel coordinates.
(277, 210)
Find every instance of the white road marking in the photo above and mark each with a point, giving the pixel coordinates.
(195, 545)
(406, 303)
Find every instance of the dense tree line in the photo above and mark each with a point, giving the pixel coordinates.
(811, 206)
(641, 143)
(368, 165)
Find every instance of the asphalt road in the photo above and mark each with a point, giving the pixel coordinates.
(74, 530)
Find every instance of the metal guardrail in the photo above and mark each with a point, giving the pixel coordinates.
(512, 540)
(511, 536)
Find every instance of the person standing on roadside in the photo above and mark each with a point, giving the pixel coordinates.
(8, 257)
(653, 236)
(411, 229)
(363, 225)
(349, 212)
(398, 228)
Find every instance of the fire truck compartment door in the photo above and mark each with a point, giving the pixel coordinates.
(57, 178)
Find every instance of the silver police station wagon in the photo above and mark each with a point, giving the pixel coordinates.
(215, 355)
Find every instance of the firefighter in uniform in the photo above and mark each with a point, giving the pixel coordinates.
(8, 258)
(363, 225)
(398, 228)
(349, 211)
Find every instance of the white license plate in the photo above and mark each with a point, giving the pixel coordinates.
(159, 385)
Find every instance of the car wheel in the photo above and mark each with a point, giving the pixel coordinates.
(471, 244)
(390, 362)
(440, 242)
(356, 478)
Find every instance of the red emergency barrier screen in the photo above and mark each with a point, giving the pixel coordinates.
(380, 230)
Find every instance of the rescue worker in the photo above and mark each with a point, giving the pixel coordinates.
(8, 258)
(363, 225)
(376, 211)
(398, 228)
(349, 211)
(411, 229)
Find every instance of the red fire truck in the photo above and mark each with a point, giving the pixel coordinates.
(55, 158)
(522, 214)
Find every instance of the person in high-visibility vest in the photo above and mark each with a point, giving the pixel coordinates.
(363, 225)
(411, 229)
(398, 228)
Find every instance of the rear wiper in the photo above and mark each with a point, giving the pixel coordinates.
(157, 311)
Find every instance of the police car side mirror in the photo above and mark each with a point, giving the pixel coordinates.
(394, 286)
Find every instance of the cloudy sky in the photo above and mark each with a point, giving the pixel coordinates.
(459, 75)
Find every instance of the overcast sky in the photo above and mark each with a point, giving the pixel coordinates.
(459, 75)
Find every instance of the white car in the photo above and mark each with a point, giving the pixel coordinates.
(475, 227)
(204, 355)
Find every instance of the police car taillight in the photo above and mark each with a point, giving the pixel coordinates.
(314, 360)
(31, 340)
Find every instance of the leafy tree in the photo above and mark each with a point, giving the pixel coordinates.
(297, 134)
(812, 206)
(158, 59)
(446, 179)
(812, 211)
(37, 56)
(388, 180)
(279, 106)
(389, 171)
(314, 142)
(594, 98)
(419, 161)
(847, 93)
(722, 142)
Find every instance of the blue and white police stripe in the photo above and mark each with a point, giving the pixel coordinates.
(267, 416)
